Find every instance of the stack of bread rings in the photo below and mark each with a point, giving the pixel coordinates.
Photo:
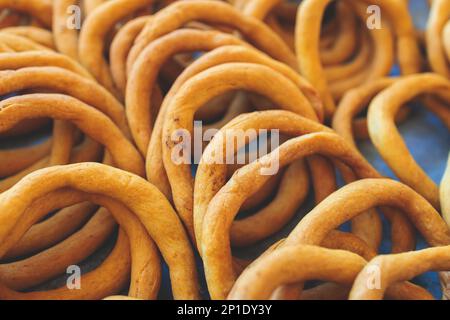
(100, 106)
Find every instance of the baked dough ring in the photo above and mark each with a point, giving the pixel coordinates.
(85, 152)
(295, 263)
(399, 267)
(64, 81)
(438, 17)
(386, 137)
(155, 171)
(408, 52)
(220, 282)
(307, 42)
(98, 282)
(211, 177)
(19, 43)
(353, 103)
(139, 196)
(120, 48)
(220, 79)
(42, 236)
(143, 76)
(57, 79)
(342, 47)
(33, 59)
(38, 35)
(88, 119)
(50, 263)
(381, 62)
(146, 271)
(18, 60)
(154, 163)
(62, 144)
(14, 160)
(220, 276)
(346, 203)
(93, 33)
(179, 13)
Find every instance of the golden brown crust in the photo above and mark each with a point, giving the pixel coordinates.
(143, 199)
(93, 33)
(179, 13)
(397, 267)
(386, 137)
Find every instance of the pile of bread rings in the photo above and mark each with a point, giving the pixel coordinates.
(117, 78)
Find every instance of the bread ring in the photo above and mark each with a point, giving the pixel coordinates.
(340, 71)
(69, 83)
(383, 192)
(121, 46)
(14, 110)
(39, 58)
(351, 105)
(143, 199)
(408, 53)
(85, 152)
(307, 33)
(289, 124)
(220, 79)
(170, 19)
(219, 282)
(90, 5)
(14, 160)
(438, 17)
(154, 163)
(398, 267)
(286, 265)
(295, 263)
(52, 262)
(93, 32)
(340, 50)
(380, 64)
(143, 75)
(44, 232)
(38, 35)
(146, 271)
(345, 44)
(20, 43)
(386, 138)
(18, 60)
(97, 283)
(312, 228)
